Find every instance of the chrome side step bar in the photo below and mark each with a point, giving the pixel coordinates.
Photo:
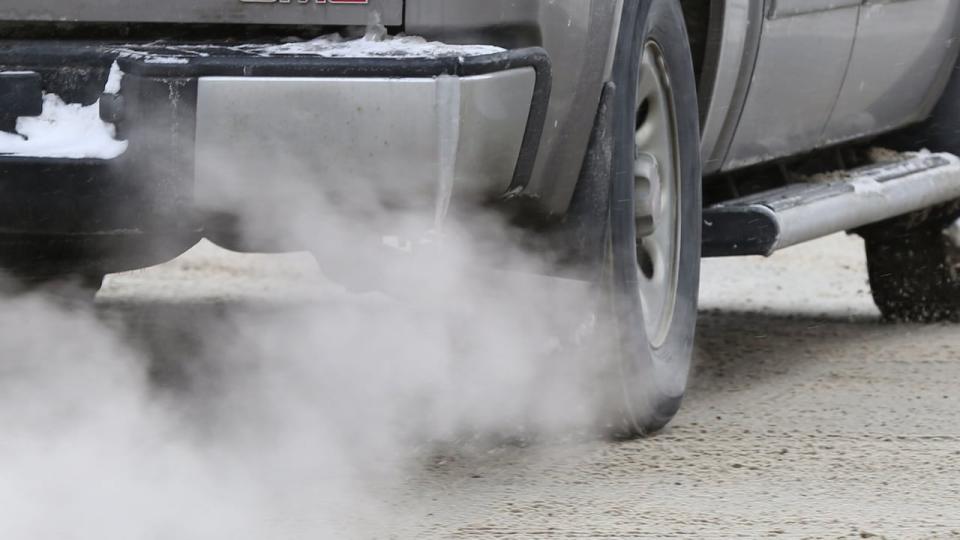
(763, 223)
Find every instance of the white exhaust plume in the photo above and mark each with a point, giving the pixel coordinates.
(290, 417)
(214, 398)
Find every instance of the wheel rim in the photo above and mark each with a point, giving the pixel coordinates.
(657, 195)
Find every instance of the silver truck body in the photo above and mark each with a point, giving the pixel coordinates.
(778, 77)
(816, 73)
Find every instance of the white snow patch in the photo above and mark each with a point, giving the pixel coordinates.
(867, 186)
(165, 60)
(895, 163)
(372, 45)
(114, 80)
(63, 130)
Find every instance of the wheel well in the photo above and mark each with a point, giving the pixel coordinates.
(698, 15)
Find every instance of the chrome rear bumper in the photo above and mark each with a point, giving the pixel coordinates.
(410, 142)
(205, 124)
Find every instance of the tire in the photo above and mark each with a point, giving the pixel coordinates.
(74, 266)
(78, 290)
(647, 277)
(913, 260)
(915, 271)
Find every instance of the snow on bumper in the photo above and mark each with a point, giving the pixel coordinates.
(63, 130)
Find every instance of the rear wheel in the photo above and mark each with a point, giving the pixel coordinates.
(73, 267)
(69, 288)
(651, 268)
(914, 260)
(915, 270)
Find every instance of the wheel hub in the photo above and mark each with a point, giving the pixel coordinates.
(657, 195)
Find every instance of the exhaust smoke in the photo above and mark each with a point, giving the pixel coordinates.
(249, 396)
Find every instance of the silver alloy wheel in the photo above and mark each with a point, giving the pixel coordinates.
(658, 195)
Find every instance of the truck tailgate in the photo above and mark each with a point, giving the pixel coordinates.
(299, 12)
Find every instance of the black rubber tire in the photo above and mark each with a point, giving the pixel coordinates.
(650, 383)
(913, 262)
(914, 272)
(84, 258)
(67, 290)
(71, 290)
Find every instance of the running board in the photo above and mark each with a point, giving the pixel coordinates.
(763, 223)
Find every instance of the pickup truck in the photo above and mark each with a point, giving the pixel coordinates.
(632, 136)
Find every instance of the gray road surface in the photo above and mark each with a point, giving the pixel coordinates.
(806, 418)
